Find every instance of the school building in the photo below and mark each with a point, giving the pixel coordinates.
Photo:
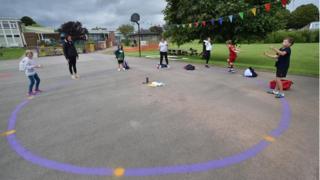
(11, 33)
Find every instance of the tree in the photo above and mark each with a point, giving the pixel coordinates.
(156, 29)
(303, 15)
(191, 11)
(126, 29)
(28, 21)
(74, 29)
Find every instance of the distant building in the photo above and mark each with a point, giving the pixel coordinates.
(146, 36)
(98, 34)
(35, 35)
(10, 33)
(312, 26)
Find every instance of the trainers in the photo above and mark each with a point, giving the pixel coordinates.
(30, 94)
(119, 69)
(279, 95)
(124, 69)
(207, 66)
(272, 92)
(232, 71)
(73, 77)
(38, 91)
(77, 76)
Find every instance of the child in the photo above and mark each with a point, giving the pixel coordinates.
(29, 66)
(232, 55)
(120, 57)
(163, 47)
(282, 64)
(208, 49)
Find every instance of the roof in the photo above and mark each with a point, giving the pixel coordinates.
(98, 31)
(9, 19)
(145, 33)
(45, 30)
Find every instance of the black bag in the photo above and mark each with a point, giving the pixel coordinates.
(189, 67)
(254, 74)
(125, 65)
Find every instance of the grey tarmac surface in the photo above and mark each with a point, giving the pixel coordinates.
(110, 119)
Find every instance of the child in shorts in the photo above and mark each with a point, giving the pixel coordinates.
(233, 51)
(120, 57)
(282, 58)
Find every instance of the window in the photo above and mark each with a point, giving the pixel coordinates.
(9, 36)
(13, 25)
(5, 25)
(17, 36)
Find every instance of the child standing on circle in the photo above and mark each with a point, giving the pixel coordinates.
(120, 57)
(282, 58)
(233, 51)
(29, 66)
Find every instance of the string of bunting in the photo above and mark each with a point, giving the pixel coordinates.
(220, 20)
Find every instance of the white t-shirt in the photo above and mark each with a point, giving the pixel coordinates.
(163, 46)
(208, 45)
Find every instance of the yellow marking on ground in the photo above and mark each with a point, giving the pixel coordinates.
(7, 133)
(31, 97)
(269, 139)
(118, 172)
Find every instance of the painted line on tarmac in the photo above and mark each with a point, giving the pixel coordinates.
(147, 171)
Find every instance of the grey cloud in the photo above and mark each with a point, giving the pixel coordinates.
(92, 13)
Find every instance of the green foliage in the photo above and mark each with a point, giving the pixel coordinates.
(125, 42)
(11, 53)
(303, 15)
(126, 29)
(156, 29)
(28, 21)
(305, 36)
(189, 11)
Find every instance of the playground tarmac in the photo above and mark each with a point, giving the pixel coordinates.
(202, 125)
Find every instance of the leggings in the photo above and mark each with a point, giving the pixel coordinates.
(208, 55)
(34, 78)
(165, 55)
(73, 65)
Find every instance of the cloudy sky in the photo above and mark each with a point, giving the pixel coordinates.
(92, 13)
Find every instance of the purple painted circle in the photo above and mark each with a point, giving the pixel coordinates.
(146, 171)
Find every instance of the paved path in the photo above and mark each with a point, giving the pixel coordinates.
(109, 119)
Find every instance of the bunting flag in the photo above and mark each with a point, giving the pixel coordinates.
(284, 3)
(231, 18)
(212, 22)
(220, 20)
(204, 23)
(241, 14)
(267, 7)
(254, 11)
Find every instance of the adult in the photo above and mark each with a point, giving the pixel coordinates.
(163, 46)
(71, 54)
(208, 49)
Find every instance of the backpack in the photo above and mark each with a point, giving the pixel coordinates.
(285, 83)
(189, 67)
(250, 73)
(22, 65)
(125, 65)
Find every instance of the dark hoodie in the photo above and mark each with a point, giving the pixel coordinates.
(69, 50)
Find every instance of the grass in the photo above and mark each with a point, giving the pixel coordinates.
(304, 57)
(11, 53)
